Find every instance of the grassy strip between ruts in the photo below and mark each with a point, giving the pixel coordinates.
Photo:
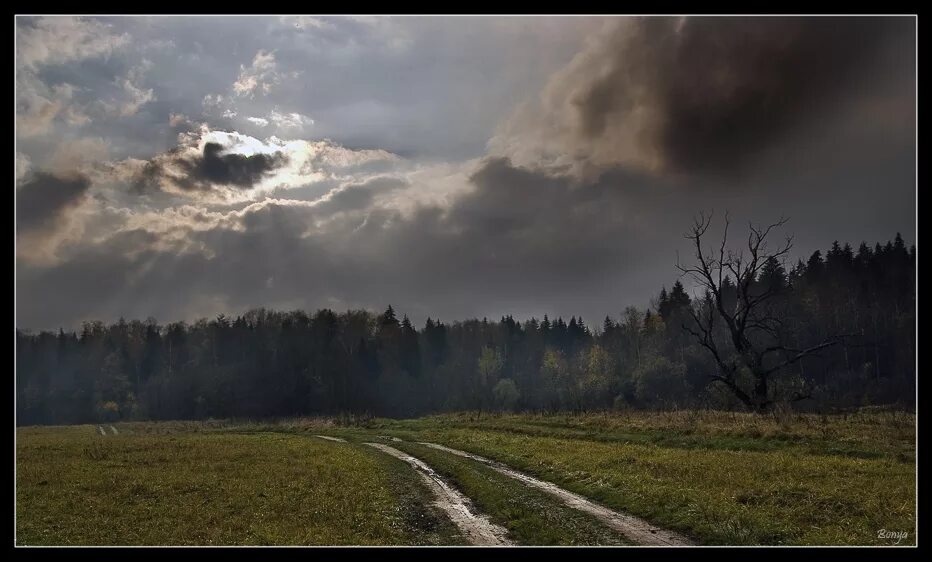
(531, 517)
(718, 496)
(74, 488)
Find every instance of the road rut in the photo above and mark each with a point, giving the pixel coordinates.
(637, 530)
(477, 528)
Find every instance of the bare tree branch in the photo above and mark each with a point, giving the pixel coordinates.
(752, 324)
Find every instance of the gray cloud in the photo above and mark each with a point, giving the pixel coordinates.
(721, 89)
(351, 76)
(804, 119)
(357, 196)
(708, 95)
(44, 199)
(43, 41)
(518, 242)
(233, 169)
(210, 169)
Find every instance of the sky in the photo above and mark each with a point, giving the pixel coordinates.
(453, 167)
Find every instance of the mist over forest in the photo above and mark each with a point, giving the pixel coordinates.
(268, 363)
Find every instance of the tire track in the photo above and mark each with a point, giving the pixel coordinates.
(634, 528)
(477, 528)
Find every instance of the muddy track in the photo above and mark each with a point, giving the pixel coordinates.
(477, 528)
(637, 530)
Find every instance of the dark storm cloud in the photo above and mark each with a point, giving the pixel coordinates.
(43, 200)
(520, 242)
(716, 91)
(210, 169)
(819, 130)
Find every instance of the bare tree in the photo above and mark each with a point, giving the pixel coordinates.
(751, 326)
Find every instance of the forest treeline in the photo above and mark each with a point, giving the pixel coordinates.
(268, 364)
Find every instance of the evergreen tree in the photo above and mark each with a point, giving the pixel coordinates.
(268, 363)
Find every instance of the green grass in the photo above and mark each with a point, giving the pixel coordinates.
(531, 516)
(719, 478)
(185, 488)
(753, 481)
(860, 435)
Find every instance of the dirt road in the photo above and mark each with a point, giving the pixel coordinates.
(477, 528)
(637, 530)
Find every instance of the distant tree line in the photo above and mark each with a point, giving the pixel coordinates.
(270, 364)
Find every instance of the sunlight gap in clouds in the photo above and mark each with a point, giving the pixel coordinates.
(508, 161)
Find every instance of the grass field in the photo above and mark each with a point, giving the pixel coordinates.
(718, 478)
(77, 488)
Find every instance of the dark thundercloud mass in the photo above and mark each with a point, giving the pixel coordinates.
(456, 167)
(715, 91)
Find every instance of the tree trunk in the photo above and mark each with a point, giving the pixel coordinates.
(761, 403)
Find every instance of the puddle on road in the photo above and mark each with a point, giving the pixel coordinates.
(638, 530)
(478, 529)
